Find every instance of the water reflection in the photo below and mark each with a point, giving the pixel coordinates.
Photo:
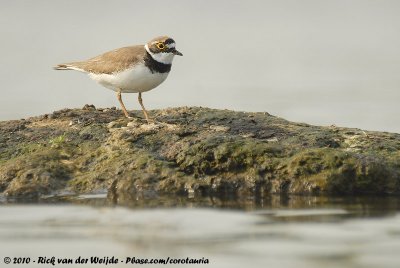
(277, 231)
(356, 206)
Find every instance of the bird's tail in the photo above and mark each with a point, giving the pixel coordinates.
(69, 66)
(63, 67)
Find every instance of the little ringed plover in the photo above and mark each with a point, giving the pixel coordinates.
(133, 69)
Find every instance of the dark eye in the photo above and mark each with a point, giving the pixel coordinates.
(160, 46)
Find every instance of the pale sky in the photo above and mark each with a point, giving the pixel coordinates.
(319, 62)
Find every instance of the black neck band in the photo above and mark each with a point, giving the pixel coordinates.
(156, 66)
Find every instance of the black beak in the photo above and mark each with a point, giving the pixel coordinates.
(176, 52)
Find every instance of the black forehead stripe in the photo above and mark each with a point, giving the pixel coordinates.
(169, 41)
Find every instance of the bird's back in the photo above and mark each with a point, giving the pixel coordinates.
(110, 62)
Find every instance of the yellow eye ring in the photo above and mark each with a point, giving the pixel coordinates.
(160, 46)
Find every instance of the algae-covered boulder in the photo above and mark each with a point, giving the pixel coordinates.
(191, 151)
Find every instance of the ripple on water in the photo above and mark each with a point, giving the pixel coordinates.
(227, 238)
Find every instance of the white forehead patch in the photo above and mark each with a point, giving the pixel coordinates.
(172, 45)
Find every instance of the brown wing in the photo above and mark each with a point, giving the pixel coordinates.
(109, 62)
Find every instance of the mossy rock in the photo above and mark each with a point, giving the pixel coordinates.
(191, 151)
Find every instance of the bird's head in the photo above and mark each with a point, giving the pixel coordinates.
(162, 49)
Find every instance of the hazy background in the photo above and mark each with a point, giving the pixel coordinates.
(320, 62)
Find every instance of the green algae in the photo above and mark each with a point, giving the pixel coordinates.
(192, 151)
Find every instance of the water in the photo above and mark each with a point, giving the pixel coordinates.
(297, 231)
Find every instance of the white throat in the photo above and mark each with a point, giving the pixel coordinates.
(165, 58)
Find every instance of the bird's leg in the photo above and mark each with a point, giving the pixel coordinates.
(141, 104)
(122, 104)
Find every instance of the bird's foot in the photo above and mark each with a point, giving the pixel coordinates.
(153, 121)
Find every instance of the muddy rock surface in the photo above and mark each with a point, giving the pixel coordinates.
(191, 151)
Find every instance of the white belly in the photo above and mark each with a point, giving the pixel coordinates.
(133, 80)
